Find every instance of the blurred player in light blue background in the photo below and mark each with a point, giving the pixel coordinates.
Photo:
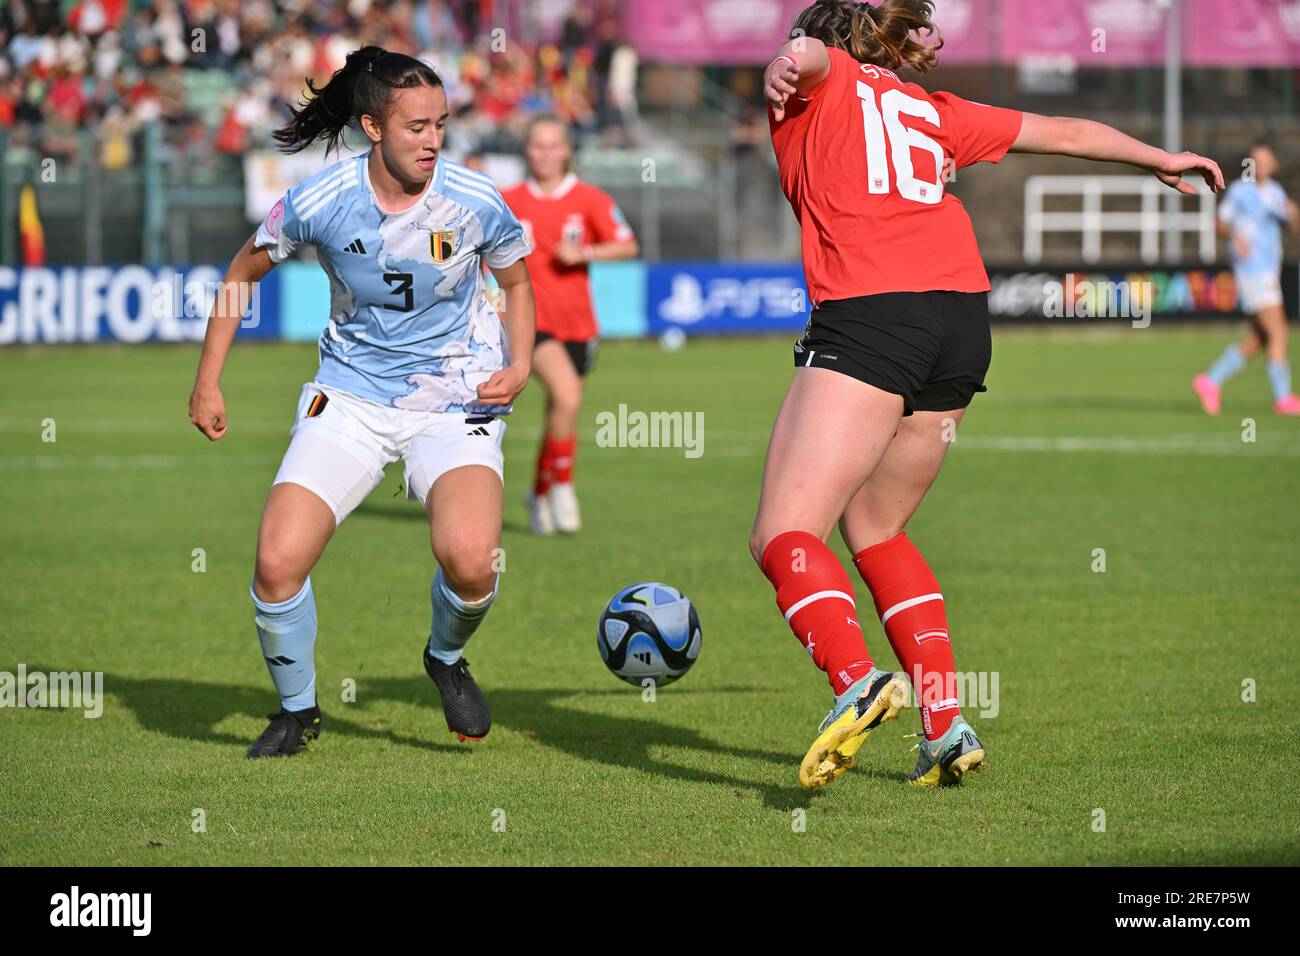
(1251, 215)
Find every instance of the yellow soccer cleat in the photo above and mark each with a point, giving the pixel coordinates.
(943, 762)
(869, 702)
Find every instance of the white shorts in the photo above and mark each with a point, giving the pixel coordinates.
(1258, 292)
(341, 443)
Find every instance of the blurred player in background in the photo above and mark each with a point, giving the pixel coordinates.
(1251, 215)
(415, 364)
(569, 224)
(897, 345)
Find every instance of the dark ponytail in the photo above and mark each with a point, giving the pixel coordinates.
(363, 85)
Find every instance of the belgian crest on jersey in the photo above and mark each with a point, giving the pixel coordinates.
(442, 244)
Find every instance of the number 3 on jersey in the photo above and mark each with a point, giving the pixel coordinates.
(884, 131)
(401, 282)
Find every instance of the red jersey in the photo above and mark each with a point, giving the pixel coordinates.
(574, 212)
(862, 159)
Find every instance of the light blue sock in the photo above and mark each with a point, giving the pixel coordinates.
(288, 634)
(454, 620)
(1279, 376)
(1227, 365)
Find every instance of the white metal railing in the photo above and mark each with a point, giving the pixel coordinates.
(1093, 221)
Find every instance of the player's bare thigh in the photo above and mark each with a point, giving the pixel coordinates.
(464, 507)
(887, 500)
(829, 436)
(296, 526)
(563, 384)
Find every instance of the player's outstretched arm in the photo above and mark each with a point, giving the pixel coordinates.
(574, 253)
(521, 332)
(797, 67)
(207, 407)
(1086, 139)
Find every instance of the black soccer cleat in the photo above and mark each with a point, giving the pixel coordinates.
(463, 704)
(288, 733)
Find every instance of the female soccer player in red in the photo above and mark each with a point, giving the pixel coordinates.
(896, 346)
(569, 224)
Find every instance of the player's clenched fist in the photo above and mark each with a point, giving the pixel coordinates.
(208, 411)
(779, 81)
(504, 386)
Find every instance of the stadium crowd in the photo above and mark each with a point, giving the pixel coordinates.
(218, 75)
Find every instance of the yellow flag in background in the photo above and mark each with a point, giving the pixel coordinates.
(30, 234)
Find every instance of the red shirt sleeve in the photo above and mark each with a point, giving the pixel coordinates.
(980, 133)
(606, 219)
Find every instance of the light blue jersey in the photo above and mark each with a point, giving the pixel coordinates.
(1256, 212)
(410, 322)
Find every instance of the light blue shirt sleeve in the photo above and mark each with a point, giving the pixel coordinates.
(504, 242)
(283, 230)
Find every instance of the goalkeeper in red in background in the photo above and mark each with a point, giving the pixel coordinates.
(569, 224)
(897, 345)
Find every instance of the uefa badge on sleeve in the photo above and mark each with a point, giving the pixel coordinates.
(274, 218)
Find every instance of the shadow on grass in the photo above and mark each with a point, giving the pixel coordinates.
(642, 744)
(192, 710)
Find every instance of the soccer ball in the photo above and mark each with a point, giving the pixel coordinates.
(649, 631)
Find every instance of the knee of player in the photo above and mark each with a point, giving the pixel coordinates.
(567, 401)
(276, 576)
(470, 570)
(757, 543)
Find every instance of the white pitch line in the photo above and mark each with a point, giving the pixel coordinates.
(55, 461)
(142, 426)
(1145, 445)
(1175, 445)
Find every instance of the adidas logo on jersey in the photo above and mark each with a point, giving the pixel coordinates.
(355, 246)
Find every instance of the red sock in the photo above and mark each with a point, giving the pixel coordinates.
(814, 594)
(542, 477)
(562, 451)
(911, 611)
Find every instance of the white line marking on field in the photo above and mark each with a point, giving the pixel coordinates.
(1143, 445)
(143, 426)
(143, 462)
(1287, 446)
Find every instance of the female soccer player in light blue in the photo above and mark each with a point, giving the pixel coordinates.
(415, 363)
(1252, 213)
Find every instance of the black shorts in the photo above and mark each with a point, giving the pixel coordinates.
(932, 348)
(582, 353)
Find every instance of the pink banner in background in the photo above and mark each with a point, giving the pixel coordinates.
(1243, 33)
(1096, 33)
(966, 28)
(704, 32)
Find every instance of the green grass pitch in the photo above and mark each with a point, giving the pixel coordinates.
(1119, 692)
